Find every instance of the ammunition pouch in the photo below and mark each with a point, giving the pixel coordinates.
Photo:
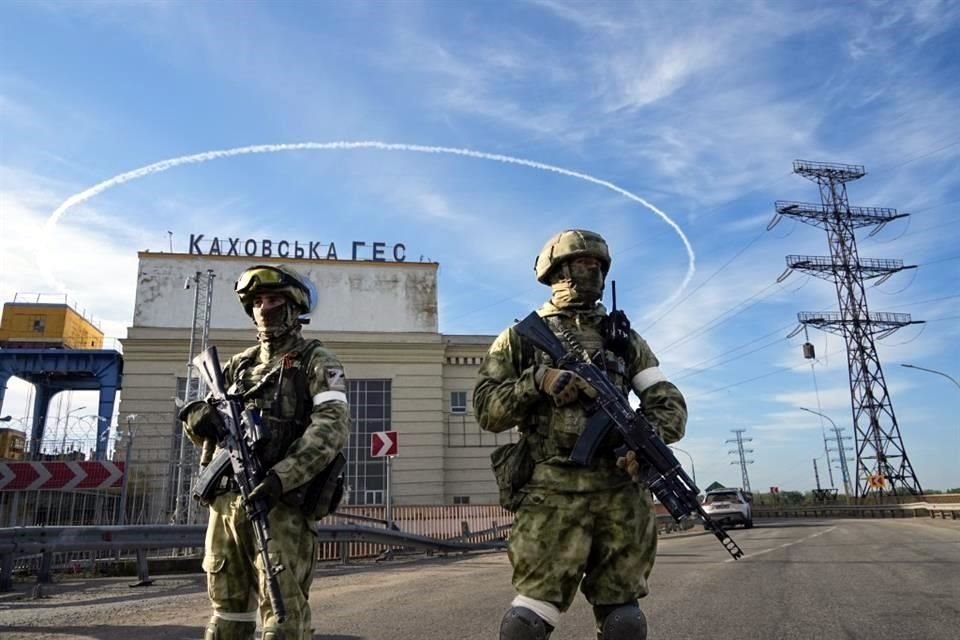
(513, 465)
(210, 480)
(320, 496)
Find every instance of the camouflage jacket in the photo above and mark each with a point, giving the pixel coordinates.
(302, 404)
(506, 396)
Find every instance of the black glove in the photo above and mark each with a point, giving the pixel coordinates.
(269, 490)
(202, 420)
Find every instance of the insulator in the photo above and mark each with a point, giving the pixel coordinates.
(808, 351)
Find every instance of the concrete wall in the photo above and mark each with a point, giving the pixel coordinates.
(353, 295)
(467, 449)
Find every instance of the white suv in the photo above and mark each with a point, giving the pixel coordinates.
(729, 507)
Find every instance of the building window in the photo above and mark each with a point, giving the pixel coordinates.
(370, 409)
(458, 402)
(461, 499)
(38, 325)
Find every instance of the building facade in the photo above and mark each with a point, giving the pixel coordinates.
(379, 317)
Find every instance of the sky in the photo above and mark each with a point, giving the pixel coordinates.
(698, 108)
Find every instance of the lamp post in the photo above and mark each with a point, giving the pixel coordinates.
(843, 458)
(939, 373)
(122, 516)
(693, 469)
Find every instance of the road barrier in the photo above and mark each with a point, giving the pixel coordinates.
(45, 542)
(903, 510)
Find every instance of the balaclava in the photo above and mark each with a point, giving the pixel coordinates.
(276, 323)
(576, 286)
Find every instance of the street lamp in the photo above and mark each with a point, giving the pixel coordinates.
(939, 373)
(843, 457)
(693, 469)
(122, 516)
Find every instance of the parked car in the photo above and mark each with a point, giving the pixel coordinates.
(729, 507)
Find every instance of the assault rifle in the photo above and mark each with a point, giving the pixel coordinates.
(611, 410)
(241, 432)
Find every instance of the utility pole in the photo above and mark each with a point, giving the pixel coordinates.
(741, 453)
(882, 463)
(816, 475)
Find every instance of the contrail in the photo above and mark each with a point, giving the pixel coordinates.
(206, 156)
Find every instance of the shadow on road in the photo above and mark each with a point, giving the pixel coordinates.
(165, 632)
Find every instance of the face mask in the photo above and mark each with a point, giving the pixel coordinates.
(275, 321)
(577, 286)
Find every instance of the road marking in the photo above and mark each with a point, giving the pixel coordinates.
(784, 545)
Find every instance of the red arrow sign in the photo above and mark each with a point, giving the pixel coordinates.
(62, 476)
(383, 443)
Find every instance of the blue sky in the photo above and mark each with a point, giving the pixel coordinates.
(698, 107)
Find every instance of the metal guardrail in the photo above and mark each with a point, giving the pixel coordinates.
(905, 510)
(17, 541)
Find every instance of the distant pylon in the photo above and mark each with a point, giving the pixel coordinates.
(741, 455)
(882, 463)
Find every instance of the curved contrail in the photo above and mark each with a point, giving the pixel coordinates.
(206, 156)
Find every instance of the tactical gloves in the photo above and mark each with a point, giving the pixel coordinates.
(630, 464)
(270, 490)
(201, 421)
(561, 385)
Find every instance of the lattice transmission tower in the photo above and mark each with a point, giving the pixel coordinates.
(742, 457)
(882, 463)
(186, 458)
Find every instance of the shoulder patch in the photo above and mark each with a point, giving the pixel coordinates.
(336, 380)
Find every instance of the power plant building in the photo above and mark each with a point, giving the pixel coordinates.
(379, 315)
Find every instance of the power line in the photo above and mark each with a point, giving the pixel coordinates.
(699, 286)
(720, 319)
(729, 360)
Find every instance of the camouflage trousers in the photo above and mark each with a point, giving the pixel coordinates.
(236, 580)
(603, 541)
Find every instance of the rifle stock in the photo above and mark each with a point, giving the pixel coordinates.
(611, 410)
(240, 433)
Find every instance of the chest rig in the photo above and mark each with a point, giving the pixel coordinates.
(554, 430)
(278, 394)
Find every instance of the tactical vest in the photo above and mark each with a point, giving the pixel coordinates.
(553, 430)
(279, 394)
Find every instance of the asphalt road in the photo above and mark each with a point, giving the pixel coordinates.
(809, 579)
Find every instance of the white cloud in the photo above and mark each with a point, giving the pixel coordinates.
(95, 269)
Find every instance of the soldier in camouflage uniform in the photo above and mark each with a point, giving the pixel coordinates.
(298, 388)
(589, 526)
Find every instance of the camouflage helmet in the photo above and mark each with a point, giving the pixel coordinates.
(569, 244)
(264, 278)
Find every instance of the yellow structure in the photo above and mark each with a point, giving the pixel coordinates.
(30, 325)
(12, 443)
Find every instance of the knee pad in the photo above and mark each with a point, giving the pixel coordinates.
(620, 622)
(220, 629)
(520, 623)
